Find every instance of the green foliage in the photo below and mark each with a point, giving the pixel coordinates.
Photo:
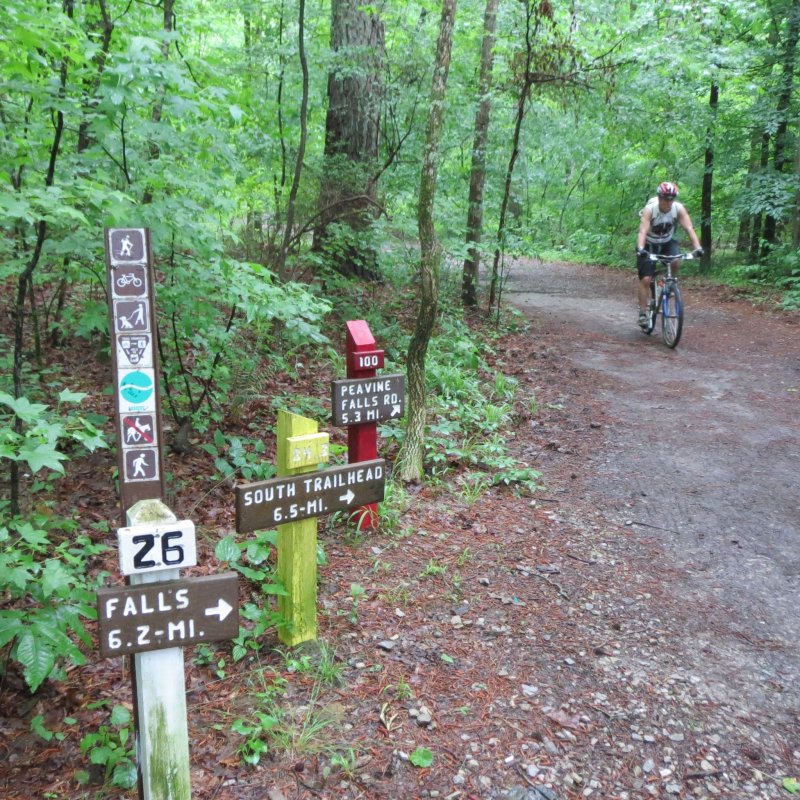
(251, 560)
(421, 757)
(234, 456)
(112, 747)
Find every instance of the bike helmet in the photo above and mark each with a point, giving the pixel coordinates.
(668, 190)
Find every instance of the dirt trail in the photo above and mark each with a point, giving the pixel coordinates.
(704, 455)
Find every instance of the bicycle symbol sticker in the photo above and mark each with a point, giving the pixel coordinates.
(130, 315)
(126, 246)
(134, 349)
(129, 281)
(141, 465)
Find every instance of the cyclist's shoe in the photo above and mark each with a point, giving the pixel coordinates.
(643, 320)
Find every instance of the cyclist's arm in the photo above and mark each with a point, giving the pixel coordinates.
(644, 227)
(686, 223)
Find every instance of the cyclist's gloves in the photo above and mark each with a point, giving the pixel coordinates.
(699, 252)
(640, 251)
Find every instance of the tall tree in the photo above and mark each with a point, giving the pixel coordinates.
(477, 176)
(708, 178)
(348, 192)
(410, 458)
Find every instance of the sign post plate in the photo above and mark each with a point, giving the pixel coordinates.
(357, 401)
(152, 616)
(265, 504)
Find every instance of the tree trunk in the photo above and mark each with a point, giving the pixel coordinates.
(409, 464)
(781, 157)
(708, 180)
(477, 178)
(352, 137)
(522, 99)
(301, 147)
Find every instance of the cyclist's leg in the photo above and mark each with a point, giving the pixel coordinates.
(646, 271)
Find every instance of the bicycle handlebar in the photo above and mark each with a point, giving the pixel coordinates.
(667, 257)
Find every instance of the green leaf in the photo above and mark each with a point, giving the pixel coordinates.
(43, 455)
(120, 716)
(36, 656)
(227, 550)
(68, 396)
(23, 408)
(447, 659)
(792, 785)
(421, 757)
(55, 579)
(124, 775)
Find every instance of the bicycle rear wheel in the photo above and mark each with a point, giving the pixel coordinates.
(672, 316)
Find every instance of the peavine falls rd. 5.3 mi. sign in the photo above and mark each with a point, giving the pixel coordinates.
(264, 504)
(357, 401)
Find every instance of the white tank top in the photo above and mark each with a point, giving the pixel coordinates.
(662, 224)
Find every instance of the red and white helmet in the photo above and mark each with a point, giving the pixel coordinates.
(668, 190)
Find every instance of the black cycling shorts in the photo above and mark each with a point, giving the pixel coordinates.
(645, 266)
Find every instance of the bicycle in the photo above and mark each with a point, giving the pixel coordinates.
(665, 298)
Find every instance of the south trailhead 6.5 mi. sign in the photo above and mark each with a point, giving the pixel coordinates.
(357, 401)
(265, 504)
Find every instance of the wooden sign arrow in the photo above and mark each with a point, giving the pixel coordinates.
(265, 504)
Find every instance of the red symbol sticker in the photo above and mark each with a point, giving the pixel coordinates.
(138, 430)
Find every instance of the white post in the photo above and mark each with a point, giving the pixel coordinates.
(163, 734)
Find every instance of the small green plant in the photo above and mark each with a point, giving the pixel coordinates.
(236, 456)
(465, 556)
(357, 593)
(345, 762)
(432, 568)
(472, 486)
(40, 729)
(422, 757)
(111, 747)
(402, 689)
(251, 560)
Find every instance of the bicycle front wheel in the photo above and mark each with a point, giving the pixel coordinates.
(672, 316)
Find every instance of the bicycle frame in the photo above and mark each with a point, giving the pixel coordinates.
(666, 299)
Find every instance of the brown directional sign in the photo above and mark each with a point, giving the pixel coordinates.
(360, 400)
(266, 504)
(152, 616)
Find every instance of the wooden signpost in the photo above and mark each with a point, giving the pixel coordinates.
(134, 355)
(157, 612)
(364, 400)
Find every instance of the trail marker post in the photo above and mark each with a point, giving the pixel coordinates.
(361, 402)
(301, 448)
(157, 611)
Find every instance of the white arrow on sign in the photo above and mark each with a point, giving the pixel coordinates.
(221, 610)
(395, 410)
(347, 498)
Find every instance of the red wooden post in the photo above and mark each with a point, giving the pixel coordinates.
(363, 360)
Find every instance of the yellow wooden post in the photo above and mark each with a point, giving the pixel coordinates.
(300, 449)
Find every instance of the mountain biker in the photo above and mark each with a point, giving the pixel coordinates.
(657, 235)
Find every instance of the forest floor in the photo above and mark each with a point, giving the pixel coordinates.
(629, 630)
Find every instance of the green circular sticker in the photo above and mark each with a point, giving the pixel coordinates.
(136, 387)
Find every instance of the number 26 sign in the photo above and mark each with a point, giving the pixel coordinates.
(147, 548)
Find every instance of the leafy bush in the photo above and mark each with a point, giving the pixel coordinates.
(43, 563)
